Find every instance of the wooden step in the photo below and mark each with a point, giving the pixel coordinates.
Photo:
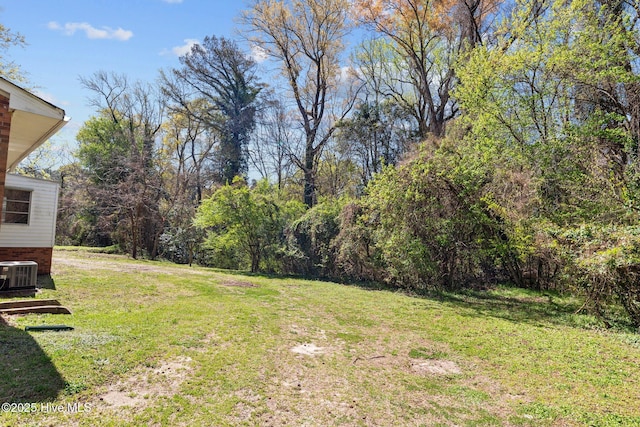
(53, 309)
(28, 303)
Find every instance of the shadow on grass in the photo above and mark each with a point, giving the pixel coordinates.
(369, 286)
(527, 307)
(516, 305)
(512, 304)
(537, 309)
(26, 373)
(45, 281)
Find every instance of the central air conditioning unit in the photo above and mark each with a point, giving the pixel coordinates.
(15, 275)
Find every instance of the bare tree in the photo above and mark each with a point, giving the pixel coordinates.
(127, 181)
(427, 38)
(219, 75)
(270, 152)
(307, 39)
(376, 134)
(188, 149)
(190, 145)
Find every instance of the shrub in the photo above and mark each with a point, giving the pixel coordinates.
(605, 267)
(309, 240)
(429, 223)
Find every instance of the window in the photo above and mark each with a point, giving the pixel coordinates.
(15, 206)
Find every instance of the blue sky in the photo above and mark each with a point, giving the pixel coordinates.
(71, 38)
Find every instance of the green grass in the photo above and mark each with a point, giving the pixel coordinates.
(195, 346)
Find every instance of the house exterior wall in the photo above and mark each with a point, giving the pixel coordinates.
(33, 241)
(42, 256)
(5, 131)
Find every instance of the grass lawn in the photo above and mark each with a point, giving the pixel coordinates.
(160, 344)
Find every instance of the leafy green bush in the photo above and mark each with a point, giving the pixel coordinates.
(357, 257)
(241, 224)
(605, 268)
(425, 225)
(245, 226)
(309, 240)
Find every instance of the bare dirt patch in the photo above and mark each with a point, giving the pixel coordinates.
(144, 387)
(436, 367)
(309, 349)
(245, 408)
(238, 284)
(62, 259)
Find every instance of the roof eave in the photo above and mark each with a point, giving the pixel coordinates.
(52, 131)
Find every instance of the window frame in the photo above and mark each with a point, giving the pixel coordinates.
(6, 201)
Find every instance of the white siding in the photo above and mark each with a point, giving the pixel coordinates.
(41, 230)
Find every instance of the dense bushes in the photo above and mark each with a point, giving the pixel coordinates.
(245, 227)
(432, 223)
(310, 245)
(429, 227)
(603, 263)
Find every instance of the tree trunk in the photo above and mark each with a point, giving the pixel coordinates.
(255, 258)
(309, 172)
(134, 236)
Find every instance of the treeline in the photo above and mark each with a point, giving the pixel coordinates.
(461, 143)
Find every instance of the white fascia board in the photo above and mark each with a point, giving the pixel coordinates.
(23, 100)
(23, 104)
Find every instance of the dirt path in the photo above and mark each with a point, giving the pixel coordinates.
(92, 261)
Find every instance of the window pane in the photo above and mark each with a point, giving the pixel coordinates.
(20, 195)
(16, 218)
(15, 206)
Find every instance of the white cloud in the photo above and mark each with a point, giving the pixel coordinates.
(91, 32)
(181, 50)
(258, 54)
(348, 73)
